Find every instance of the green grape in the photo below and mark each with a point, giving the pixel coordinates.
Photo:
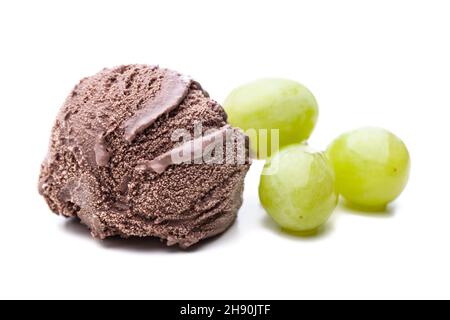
(273, 104)
(297, 189)
(371, 166)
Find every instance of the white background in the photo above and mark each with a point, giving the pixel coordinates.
(381, 63)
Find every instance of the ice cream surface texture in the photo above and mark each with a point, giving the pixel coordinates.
(112, 160)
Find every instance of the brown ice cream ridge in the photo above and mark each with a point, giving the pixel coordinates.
(192, 150)
(174, 88)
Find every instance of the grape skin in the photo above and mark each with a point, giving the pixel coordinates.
(372, 167)
(273, 104)
(297, 189)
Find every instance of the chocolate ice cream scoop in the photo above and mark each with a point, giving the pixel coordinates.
(143, 151)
